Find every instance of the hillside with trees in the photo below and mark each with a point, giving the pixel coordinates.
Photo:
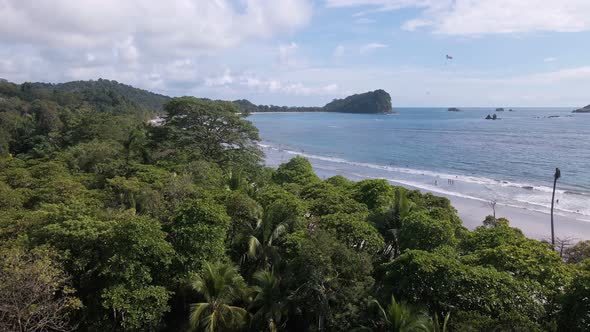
(373, 102)
(108, 223)
(99, 92)
(377, 101)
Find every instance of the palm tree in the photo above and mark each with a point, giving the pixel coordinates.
(401, 208)
(262, 238)
(555, 177)
(221, 285)
(269, 301)
(399, 317)
(435, 325)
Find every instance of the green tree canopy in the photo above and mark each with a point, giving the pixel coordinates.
(355, 231)
(579, 252)
(211, 127)
(198, 234)
(575, 313)
(419, 231)
(330, 280)
(444, 283)
(374, 193)
(220, 286)
(297, 170)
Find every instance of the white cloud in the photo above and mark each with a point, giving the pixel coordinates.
(566, 74)
(412, 25)
(469, 17)
(7, 66)
(300, 89)
(418, 86)
(126, 51)
(380, 5)
(174, 46)
(180, 23)
(338, 51)
(272, 85)
(297, 89)
(287, 55)
(371, 47)
(550, 59)
(224, 79)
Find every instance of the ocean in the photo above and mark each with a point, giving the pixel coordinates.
(510, 160)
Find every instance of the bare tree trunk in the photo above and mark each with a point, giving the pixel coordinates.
(492, 204)
(563, 243)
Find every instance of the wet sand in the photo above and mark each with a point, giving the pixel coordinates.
(534, 224)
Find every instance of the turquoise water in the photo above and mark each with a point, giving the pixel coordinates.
(510, 160)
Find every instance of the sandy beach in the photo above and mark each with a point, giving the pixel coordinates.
(534, 223)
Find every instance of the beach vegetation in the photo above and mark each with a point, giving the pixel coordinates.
(110, 222)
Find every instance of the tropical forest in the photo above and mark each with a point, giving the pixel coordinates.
(113, 221)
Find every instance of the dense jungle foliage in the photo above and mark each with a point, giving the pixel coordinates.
(108, 223)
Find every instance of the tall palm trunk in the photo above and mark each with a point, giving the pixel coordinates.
(555, 177)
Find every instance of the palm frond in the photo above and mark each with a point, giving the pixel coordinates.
(220, 284)
(278, 231)
(197, 310)
(382, 311)
(446, 322)
(253, 245)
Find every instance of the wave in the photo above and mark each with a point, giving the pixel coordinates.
(445, 176)
(576, 193)
(486, 182)
(438, 190)
(548, 207)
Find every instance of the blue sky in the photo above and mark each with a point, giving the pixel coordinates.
(301, 52)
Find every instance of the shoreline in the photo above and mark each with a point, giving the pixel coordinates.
(472, 211)
(252, 113)
(534, 224)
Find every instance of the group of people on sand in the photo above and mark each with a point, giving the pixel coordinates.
(449, 181)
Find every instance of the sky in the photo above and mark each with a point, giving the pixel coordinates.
(506, 53)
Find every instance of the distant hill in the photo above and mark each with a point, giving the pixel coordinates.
(245, 106)
(114, 97)
(102, 95)
(377, 101)
(142, 98)
(585, 109)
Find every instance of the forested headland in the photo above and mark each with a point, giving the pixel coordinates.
(372, 102)
(108, 223)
